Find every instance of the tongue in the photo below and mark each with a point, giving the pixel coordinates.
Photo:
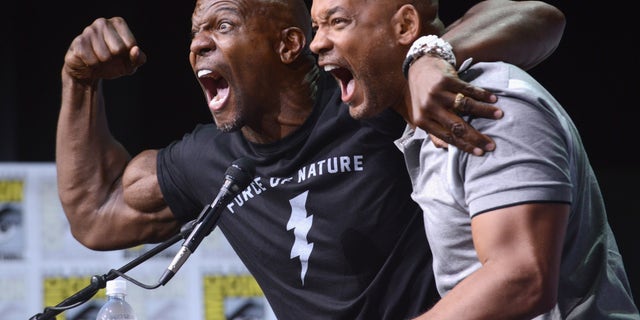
(347, 90)
(218, 100)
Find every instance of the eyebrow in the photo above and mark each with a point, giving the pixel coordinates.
(331, 11)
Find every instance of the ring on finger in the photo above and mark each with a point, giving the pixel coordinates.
(459, 102)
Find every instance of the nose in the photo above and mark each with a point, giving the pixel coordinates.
(202, 44)
(320, 42)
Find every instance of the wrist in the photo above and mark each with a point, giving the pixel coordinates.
(71, 79)
(432, 45)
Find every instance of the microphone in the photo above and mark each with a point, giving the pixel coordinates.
(236, 178)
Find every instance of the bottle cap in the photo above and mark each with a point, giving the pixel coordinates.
(116, 286)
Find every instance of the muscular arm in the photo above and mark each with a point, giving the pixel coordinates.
(111, 201)
(523, 33)
(520, 249)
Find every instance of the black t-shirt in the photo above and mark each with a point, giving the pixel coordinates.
(327, 228)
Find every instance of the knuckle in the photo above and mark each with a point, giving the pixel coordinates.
(448, 138)
(465, 106)
(458, 129)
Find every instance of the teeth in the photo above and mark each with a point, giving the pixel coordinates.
(203, 73)
(330, 67)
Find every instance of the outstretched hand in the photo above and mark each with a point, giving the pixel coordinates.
(439, 98)
(106, 49)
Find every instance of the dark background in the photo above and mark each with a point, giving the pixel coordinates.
(591, 74)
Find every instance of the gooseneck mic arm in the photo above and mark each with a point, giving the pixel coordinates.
(100, 281)
(237, 177)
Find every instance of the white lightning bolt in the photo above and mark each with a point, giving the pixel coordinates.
(301, 224)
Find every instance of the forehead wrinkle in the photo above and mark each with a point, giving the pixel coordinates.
(326, 14)
(237, 8)
(334, 10)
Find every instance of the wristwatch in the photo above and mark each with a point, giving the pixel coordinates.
(430, 44)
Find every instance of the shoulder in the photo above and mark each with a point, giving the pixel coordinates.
(502, 78)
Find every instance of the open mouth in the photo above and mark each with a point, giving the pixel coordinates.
(345, 79)
(215, 87)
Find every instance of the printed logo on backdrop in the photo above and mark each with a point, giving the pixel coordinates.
(57, 289)
(12, 241)
(233, 297)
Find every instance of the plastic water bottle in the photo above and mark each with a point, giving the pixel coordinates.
(116, 307)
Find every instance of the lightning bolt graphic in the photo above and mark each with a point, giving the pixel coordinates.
(301, 224)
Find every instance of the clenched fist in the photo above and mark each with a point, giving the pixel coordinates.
(106, 49)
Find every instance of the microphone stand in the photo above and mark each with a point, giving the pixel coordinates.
(100, 282)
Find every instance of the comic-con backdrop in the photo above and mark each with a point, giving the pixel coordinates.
(41, 264)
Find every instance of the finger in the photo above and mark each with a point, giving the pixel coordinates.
(443, 138)
(464, 105)
(467, 99)
(439, 143)
(94, 36)
(455, 131)
(470, 140)
(137, 57)
(121, 27)
(459, 103)
(438, 132)
(80, 54)
(478, 93)
(114, 41)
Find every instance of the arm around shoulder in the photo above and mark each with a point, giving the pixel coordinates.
(526, 34)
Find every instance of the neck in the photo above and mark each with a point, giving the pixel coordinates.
(404, 107)
(298, 93)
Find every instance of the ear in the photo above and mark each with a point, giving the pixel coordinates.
(407, 24)
(292, 43)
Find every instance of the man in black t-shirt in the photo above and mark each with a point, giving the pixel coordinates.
(326, 227)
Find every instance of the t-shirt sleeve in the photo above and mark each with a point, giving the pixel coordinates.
(532, 161)
(175, 170)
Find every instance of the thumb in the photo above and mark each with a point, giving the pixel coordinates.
(137, 57)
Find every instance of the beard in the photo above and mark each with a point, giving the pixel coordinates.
(235, 122)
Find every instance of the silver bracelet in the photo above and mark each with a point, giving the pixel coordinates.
(430, 44)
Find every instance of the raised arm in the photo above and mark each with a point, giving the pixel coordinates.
(523, 33)
(111, 201)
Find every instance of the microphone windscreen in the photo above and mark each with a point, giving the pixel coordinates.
(241, 171)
